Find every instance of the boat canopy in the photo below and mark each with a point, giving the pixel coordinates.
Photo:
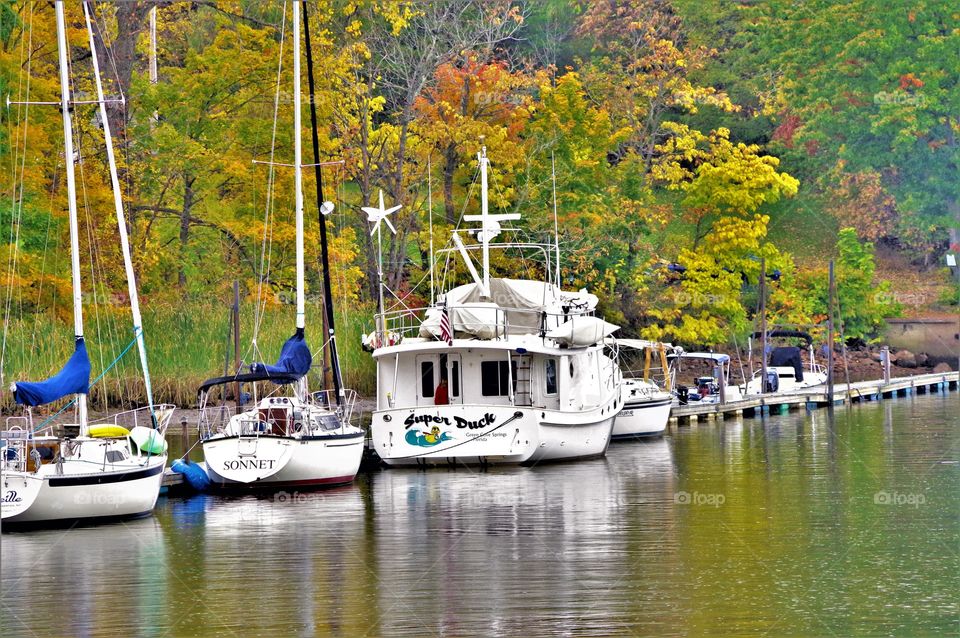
(295, 359)
(788, 356)
(249, 377)
(785, 334)
(515, 305)
(73, 378)
(716, 357)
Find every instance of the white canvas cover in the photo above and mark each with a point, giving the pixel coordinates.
(582, 331)
(520, 304)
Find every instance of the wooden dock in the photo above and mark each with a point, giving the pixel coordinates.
(815, 397)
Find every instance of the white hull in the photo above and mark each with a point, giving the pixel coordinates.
(648, 417)
(46, 496)
(276, 461)
(484, 434)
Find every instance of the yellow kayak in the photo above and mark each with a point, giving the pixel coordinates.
(108, 431)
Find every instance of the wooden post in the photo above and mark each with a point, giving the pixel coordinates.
(723, 383)
(763, 325)
(183, 437)
(236, 339)
(665, 367)
(831, 285)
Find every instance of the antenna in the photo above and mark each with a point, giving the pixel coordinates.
(430, 217)
(556, 223)
(489, 224)
(377, 215)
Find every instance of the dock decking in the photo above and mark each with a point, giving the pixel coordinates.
(816, 397)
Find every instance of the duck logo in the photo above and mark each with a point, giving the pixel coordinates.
(427, 439)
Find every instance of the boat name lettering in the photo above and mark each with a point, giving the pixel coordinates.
(482, 422)
(413, 419)
(10, 497)
(460, 422)
(249, 464)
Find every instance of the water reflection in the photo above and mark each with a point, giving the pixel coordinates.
(796, 524)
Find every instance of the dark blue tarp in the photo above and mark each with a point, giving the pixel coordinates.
(295, 358)
(74, 378)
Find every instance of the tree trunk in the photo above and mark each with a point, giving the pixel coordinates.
(185, 231)
(131, 21)
(449, 167)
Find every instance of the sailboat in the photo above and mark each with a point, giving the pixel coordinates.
(106, 470)
(497, 370)
(299, 440)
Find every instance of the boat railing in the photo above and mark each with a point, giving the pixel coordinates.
(327, 399)
(500, 322)
(144, 416)
(213, 419)
(19, 423)
(15, 439)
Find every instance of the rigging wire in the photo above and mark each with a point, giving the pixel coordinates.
(266, 248)
(16, 207)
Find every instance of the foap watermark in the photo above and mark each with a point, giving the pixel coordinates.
(697, 299)
(913, 299)
(297, 497)
(698, 498)
(899, 98)
(99, 498)
(899, 499)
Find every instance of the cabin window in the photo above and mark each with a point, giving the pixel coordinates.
(455, 382)
(426, 379)
(494, 377)
(550, 374)
(115, 456)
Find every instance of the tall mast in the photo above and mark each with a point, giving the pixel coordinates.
(482, 157)
(71, 197)
(556, 223)
(298, 170)
(118, 207)
(489, 224)
(322, 206)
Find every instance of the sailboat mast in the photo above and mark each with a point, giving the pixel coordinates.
(556, 222)
(324, 255)
(118, 207)
(298, 170)
(71, 196)
(484, 224)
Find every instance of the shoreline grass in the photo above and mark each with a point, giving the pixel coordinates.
(187, 343)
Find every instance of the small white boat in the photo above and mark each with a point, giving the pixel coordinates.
(707, 388)
(282, 442)
(646, 410)
(785, 370)
(99, 475)
(646, 407)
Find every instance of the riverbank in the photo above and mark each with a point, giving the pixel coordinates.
(187, 343)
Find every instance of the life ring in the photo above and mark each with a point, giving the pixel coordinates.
(108, 431)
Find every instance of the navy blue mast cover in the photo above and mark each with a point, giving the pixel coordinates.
(295, 358)
(74, 378)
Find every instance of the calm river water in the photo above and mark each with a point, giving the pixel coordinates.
(798, 525)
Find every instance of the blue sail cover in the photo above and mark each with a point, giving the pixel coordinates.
(295, 358)
(74, 378)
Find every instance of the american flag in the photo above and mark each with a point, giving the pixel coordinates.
(446, 334)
